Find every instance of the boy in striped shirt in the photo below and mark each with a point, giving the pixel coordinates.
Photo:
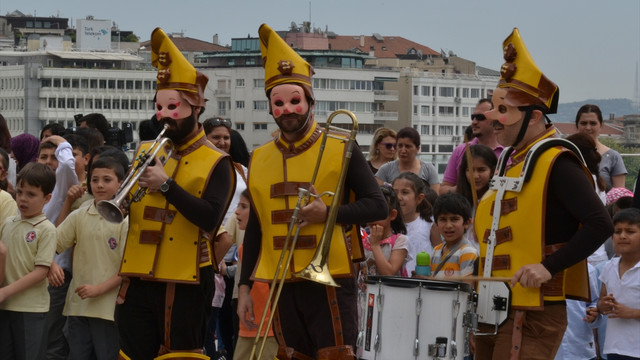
(455, 256)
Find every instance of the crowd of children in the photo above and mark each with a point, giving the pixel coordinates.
(48, 308)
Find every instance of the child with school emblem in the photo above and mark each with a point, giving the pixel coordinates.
(30, 241)
(98, 247)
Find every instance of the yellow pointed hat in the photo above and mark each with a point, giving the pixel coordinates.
(282, 65)
(174, 71)
(525, 83)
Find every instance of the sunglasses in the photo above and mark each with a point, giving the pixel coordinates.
(217, 122)
(479, 117)
(389, 146)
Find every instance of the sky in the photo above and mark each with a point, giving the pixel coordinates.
(590, 48)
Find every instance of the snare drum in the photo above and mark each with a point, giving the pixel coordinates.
(413, 318)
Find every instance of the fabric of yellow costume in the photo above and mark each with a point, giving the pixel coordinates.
(168, 259)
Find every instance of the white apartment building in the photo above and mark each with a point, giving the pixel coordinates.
(41, 87)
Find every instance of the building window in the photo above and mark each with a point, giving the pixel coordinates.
(446, 92)
(239, 126)
(71, 103)
(115, 104)
(129, 84)
(415, 109)
(61, 104)
(134, 104)
(240, 104)
(52, 103)
(259, 126)
(103, 84)
(424, 110)
(445, 130)
(75, 83)
(124, 104)
(258, 83)
(260, 105)
(445, 110)
(415, 90)
(56, 83)
(445, 148)
(426, 91)
(97, 103)
(475, 93)
(424, 129)
(465, 92)
(222, 108)
(239, 82)
(46, 83)
(93, 84)
(465, 111)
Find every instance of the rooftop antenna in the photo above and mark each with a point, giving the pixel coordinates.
(309, 12)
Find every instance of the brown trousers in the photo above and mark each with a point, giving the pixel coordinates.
(542, 333)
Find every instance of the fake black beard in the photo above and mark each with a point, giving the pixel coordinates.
(179, 132)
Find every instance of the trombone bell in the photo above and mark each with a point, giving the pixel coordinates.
(317, 272)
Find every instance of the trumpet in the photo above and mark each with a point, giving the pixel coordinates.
(112, 210)
(317, 270)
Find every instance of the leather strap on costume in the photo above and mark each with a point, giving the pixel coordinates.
(344, 352)
(168, 310)
(335, 316)
(122, 294)
(516, 336)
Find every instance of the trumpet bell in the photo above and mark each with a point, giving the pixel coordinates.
(110, 211)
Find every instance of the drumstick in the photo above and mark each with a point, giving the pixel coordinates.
(467, 278)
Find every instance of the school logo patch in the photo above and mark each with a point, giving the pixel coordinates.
(113, 243)
(448, 272)
(31, 235)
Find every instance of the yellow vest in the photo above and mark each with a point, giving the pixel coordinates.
(520, 237)
(162, 244)
(276, 172)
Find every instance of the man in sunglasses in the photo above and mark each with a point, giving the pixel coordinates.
(482, 134)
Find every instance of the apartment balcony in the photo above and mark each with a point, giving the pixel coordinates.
(385, 115)
(385, 95)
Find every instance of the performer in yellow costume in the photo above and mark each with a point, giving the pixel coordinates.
(314, 321)
(540, 217)
(168, 257)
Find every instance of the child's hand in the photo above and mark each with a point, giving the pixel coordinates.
(55, 139)
(621, 311)
(591, 315)
(88, 291)
(605, 304)
(55, 275)
(377, 232)
(75, 192)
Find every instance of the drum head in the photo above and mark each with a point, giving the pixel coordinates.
(441, 285)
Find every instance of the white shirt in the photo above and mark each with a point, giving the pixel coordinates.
(418, 239)
(623, 335)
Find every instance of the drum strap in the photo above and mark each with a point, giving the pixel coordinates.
(452, 251)
(335, 315)
(516, 335)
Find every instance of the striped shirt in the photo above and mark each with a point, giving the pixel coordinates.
(460, 263)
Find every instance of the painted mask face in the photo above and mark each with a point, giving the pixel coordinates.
(289, 107)
(169, 104)
(504, 118)
(174, 110)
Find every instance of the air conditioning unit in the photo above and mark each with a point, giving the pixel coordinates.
(456, 139)
(457, 100)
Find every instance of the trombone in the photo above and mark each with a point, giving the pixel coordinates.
(317, 269)
(111, 210)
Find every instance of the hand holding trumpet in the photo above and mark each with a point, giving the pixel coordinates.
(153, 176)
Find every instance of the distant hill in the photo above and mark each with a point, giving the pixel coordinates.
(618, 107)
